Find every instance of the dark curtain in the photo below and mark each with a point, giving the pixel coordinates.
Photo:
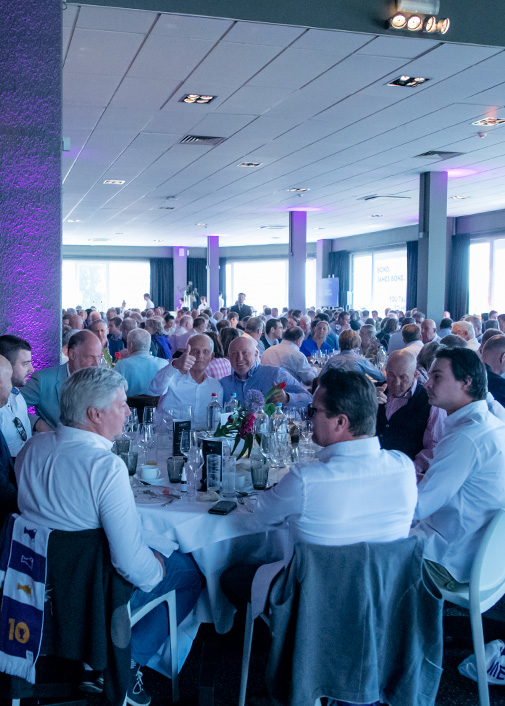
(197, 273)
(412, 256)
(339, 267)
(162, 281)
(222, 277)
(459, 273)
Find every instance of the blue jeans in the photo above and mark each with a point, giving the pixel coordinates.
(150, 633)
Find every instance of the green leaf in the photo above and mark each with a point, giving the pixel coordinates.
(269, 408)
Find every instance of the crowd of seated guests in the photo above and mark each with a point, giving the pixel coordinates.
(437, 383)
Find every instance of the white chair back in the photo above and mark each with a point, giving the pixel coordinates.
(488, 570)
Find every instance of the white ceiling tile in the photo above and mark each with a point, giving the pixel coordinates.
(332, 41)
(186, 26)
(234, 63)
(78, 89)
(119, 120)
(262, 33)
(171, 59)
(82, 117)
(407, 47)
(145, 92)
(66, 34)
(222, 124)
(104, 53)
(69, 14)
(294, 68)
(172, 123)
(254, 100)
(115, 20)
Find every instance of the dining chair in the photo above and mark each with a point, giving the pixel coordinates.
(486, 587)
(170, 599)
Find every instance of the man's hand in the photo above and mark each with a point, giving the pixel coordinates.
(279, 396)
(160, 559)
(185, 362)
(381, 394)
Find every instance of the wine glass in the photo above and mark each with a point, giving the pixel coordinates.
(148, 416)
(306, 429)
(266, 447)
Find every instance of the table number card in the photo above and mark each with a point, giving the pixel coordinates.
(180, 425)
(210, 446)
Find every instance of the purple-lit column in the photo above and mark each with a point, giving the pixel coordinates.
(434, 243)
(180, 274)
(213, 271)
(296, 259)
(30, 149)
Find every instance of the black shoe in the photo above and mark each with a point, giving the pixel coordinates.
(136, 696)
(92, 682)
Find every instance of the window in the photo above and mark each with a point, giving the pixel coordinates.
(486, 282)
(379, 280)
(105, 283)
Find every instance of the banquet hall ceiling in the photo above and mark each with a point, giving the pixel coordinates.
(311, 106)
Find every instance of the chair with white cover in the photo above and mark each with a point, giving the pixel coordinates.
(170, 599)
(486, 587)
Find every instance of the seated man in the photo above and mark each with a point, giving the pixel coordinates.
(429, 331)
(184, 381)
(445, 328)
(14, 420)
(141, 366)
(179, 341)
(70, 480)
(405, 419)
(114, 336)
(100, 328)
(287, 355)
(254, 329)
(250, 375)
(8, 487)
(273, 333)
(465, 483)
(349, 359)
(396, 342)
(43, 389)
(411, 335)
(493, 357)
(466, 331)
(319, 331)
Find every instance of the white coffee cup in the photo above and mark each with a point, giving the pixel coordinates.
(150, 472)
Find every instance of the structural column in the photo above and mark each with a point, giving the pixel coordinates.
(434, 244)
(30, 178)
(297, 258)
(180, 274)
(213, 271)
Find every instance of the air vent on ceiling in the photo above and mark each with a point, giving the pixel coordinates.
(272, 227)
(440, 154)
(372, 197)
(201, 140)
(166, 208)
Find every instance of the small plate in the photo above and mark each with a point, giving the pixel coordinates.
(156, 481)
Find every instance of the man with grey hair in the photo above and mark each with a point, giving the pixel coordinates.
(70, 480)
(42, 391)
(466, 331)
(254, 329)
(179, 341)
(141, 366)
(128, 325)
(287, 355)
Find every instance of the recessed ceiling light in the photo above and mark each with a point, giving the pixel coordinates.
(196, 98)
(201, 224)
(275, 227)
(490, 122)
(276, 237)
(459, 198)
(249, 164)
(376, 215)
(114, 181)
(118, 233)
(166, 208)
(298, 189)
(158, 241)
(414, 23)
(409, 81)
(77, 220)
(398, 21)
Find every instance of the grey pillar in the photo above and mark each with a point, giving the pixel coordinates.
(30, 150)
(297, 257)
(434, 242)
(213, 271)
(322, 265)
(180, 273)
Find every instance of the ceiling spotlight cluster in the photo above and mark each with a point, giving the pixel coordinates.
(196, 98)
(419, 16)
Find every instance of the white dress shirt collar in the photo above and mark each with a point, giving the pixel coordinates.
(478, 407)
(69, 434)
(357, 447)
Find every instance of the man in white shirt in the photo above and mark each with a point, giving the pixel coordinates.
(429, 331)
(465, 483)
(179, 340)
(184, 382)
(287, 355)
(14, 420)
(466, 331)
(254, 329)
(411, 334)
(148, 303)
(70, 480)
(140, 367)
(396, 342)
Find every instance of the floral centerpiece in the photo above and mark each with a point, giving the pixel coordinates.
(243, 424)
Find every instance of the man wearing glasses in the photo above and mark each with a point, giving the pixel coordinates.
(14, 421)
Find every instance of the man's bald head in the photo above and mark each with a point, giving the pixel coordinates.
(493, 354)
(243, 353)
(5, 380)
(428, 330)
(400, 372)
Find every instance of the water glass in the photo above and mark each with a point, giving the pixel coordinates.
(185, 443)
(175, 465)
(131, 460)
(229, 477)
(259, 474)
(122, 445)
(148, 416)
(213, 462)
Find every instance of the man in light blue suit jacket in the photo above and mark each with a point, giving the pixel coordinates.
(140, 367)
(42, 391)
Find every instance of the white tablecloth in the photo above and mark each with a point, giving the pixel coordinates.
(215, 542)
